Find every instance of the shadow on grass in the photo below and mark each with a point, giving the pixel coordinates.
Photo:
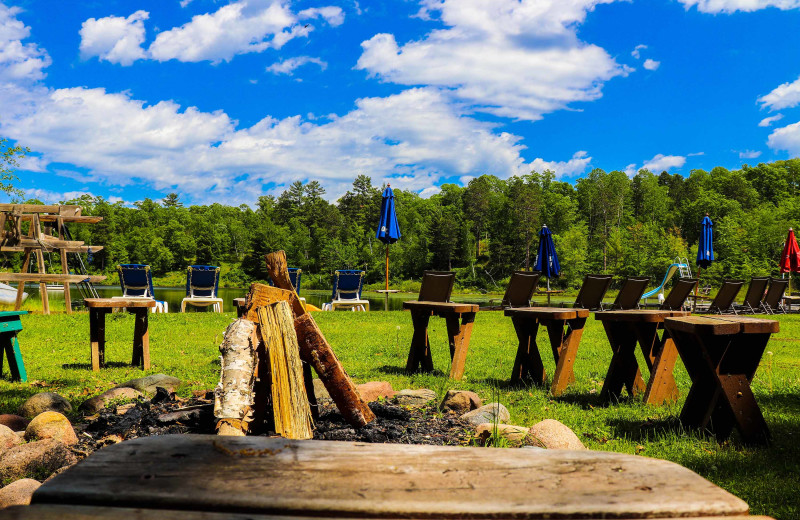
(586, 401)
(647, 429)
(16, 395)
(507, 384)
(401, 371)
(88, 366)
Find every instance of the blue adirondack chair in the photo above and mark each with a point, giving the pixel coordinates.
(202, 285)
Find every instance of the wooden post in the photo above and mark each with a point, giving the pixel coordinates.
(64, 265)
(233, 397)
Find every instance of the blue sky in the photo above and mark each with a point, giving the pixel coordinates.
(226, 101)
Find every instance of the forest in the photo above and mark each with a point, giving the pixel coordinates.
(605, 222)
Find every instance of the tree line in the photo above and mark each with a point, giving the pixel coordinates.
(605, 222)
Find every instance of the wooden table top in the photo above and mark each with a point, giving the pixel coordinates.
(114, 303)
(549, 313)
(639, 315)
(453, 307)
(360, 480)
(722, 325)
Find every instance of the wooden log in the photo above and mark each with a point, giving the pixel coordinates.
(290, 409)
(315, 351)
(233, 397)
(261, 295)
(279, 273)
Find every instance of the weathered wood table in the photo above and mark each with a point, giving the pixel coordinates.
(459, 318)
(624, 329)
(564, 327)
(721, 355)
(10, 325)
(210, 477)
(98, 308)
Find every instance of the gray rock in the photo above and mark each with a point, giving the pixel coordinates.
(95, 404)
(320, 391)
(489, 413)
(515, 435)
(148, 384)
(415, 398)
(553, 435)
(51, 425)
(460, 401)
(18, 493)
(39, 459)
(15, 422)
(8, 438)
(44, 402)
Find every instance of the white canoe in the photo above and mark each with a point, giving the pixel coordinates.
(8, 294)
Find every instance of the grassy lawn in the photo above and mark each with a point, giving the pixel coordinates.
(374, 346)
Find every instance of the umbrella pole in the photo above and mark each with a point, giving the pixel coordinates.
(548, 291)
(697, 286)
(387, 267)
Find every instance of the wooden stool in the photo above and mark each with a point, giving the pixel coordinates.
(564, 327)
(260, 478)
(624, 329)
(10, 324)
(98, 308)
(458, 334)
(721, 355)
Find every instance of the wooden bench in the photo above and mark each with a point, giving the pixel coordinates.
(98, 308)
(211, 477)
(564, 328)
(459, 318)
(10, 325)
(721, 355)
(624, 329)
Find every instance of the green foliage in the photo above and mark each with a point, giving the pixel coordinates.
(9, 161)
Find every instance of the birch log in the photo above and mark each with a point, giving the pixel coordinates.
(233, 397)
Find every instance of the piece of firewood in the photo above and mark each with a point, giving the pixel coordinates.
(315, 351)
(261, 295)
(290, 408)
(279, 273)
(233, 397)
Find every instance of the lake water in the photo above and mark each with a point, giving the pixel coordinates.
(174, 295)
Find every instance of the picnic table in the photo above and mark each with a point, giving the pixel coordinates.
(564, 328)
(721, 355)
(10, 325)
(459, 318)
(99, 307)
(260, 478)
(626, 328)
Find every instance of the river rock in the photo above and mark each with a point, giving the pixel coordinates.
(515, 435)
(488, 413)
(94, 404)
(148, 384)
(18, 493)
(460, 401)
(51, 425)
(553, 435)
(415, 398)
(15, 422)
(39, 458)
(320, 391)
(8, 438)
(44, 402)
(374, 390)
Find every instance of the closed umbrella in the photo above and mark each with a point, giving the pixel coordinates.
(546, 258)
(388, 230)
(705, 249)
(790, 259)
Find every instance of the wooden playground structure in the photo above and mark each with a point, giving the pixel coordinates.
(46, 232)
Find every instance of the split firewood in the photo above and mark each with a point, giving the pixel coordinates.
(290, 408)
(233, 397)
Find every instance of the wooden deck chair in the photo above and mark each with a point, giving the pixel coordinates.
(346, 293)
(676, 299)
(519, 291)
(772, 302)
(592, 291)
(723, 301)
(436, 286)
(633, 288)
(754, 295)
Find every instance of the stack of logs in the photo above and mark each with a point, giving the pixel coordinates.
(267, 356)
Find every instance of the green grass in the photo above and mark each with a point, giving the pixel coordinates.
(374, 346)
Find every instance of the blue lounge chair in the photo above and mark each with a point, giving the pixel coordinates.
(347, 291)
(136, 281)
(202, 284)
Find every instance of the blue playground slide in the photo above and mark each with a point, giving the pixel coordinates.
(671, 270)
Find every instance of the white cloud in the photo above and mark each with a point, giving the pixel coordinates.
(288, 66)
(651, 64)
(695, 154)
(637, 51)
(575, 166)
(663, 162)
(767, 121)
(786, 138)
(730, 6)
(333, 15)
(510, 58)
(784, 96)
(749, 154)
(631, 170)
(18, 61)
(429, 192)
(114, 38)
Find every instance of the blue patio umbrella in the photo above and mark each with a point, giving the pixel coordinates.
(705, 250)
(546, 257)
(388, 230)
